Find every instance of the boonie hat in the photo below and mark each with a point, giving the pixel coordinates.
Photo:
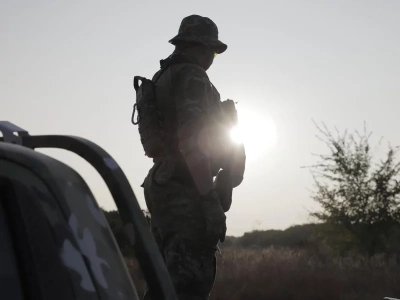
(198, 29)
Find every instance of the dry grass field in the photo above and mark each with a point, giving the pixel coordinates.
(273, 274)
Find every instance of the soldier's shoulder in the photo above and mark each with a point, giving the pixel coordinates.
(187, 71)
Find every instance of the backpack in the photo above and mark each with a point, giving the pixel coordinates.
(152, 135)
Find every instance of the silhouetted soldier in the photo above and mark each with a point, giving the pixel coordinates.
(186, 205)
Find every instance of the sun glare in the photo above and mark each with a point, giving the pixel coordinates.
(237, 134)
(257, 132)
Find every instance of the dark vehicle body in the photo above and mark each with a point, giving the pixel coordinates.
(55, 242)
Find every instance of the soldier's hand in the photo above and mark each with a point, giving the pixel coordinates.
(223, 186)
(214, 216)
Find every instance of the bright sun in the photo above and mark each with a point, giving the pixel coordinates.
(257, 132)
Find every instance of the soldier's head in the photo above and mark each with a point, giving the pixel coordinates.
(198, 36)
(203, 54)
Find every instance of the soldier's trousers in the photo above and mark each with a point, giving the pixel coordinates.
(178, 226)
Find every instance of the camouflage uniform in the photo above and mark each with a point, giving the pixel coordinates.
(189, 117)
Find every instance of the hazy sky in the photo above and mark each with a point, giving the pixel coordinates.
(66, 67)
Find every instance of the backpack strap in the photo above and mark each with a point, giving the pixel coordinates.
(136, 80)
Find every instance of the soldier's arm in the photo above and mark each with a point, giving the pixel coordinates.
(192, 104)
